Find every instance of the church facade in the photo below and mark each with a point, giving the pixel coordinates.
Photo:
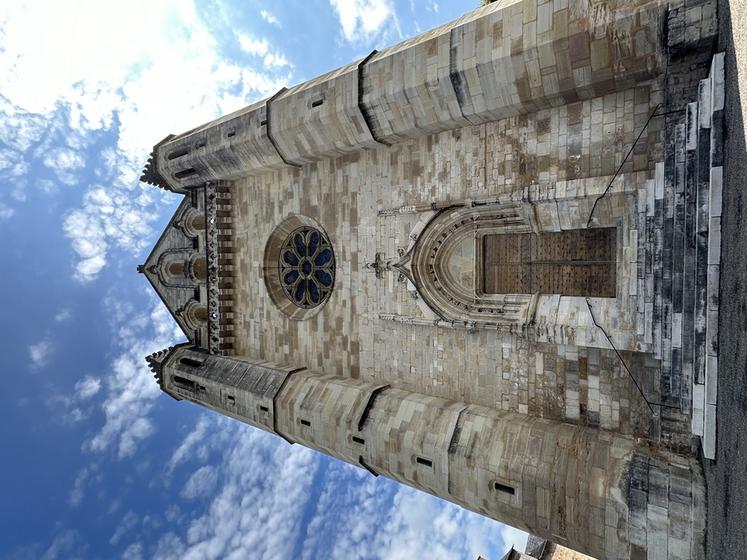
(482, 262)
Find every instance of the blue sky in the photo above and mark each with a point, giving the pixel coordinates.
(96, 462)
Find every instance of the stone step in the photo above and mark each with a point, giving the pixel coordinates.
(703, 182)
(679, 254)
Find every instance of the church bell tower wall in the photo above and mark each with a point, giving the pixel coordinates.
(242, 389)
(607, 495)
(221, 149)
(324, 412)
(321, 118)
(509, 58)
(500, 60)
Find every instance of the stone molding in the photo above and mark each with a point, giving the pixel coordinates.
(220, 277)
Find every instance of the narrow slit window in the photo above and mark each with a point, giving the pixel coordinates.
(196, 243)
(190, 362)
(358, 440)
(197, 294)
(231, 399)
(504, 488)
(263, 122)
(305, 423)
(202, 388)
(317, 102)
(185, 173)
(231, 133)
(184, 383)
(424, 462)
(264, 409)
(177, 154)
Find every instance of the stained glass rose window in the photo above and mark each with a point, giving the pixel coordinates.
(307, 267)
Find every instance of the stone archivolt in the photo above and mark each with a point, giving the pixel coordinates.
(433, 271)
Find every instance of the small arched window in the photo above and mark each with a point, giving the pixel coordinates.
(199, 269)
(190, 362)
(176, 269)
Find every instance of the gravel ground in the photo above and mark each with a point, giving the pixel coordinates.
(727, 475)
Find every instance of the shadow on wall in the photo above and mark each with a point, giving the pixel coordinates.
(727, 476)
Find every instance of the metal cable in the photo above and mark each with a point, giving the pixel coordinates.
(622, 361)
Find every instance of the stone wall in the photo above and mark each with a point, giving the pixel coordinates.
(564, 420)
(539, 376)
(604, 494)
(500, 60)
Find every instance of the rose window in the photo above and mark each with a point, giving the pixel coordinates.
(307, 267)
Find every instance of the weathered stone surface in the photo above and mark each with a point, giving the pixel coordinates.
(563, 413)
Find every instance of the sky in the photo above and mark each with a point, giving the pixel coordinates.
(96, 461)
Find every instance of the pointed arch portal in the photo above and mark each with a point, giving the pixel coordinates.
(490, 264)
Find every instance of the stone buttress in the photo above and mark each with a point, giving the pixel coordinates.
(592, 490)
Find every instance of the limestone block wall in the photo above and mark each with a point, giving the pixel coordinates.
(408, 89)
(532, 55)
(321, 118)
(242, 389)
(604, 494)
(507, 58)
(324, 412)
(410, 435)
(549, 161)
(221, 149)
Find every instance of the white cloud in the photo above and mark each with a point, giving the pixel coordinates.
(65, 163)
(74, 408)
(257, 509)
(87, 387)
(261, 492)
(6, 212)
(201, 484)
(130, 388)
(269, 18)
(261, 48)
(187, 446)
(275, 60)
(107, 218)
(19, 129)
(40, 352)
(63, 315)
(364, 20)
(100, 66)
(66, 544)
(253, 46)
(133, 552)
(125, 525)
(409, 523)
(81, 482)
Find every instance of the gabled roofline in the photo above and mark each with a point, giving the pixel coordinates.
(191, 336)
